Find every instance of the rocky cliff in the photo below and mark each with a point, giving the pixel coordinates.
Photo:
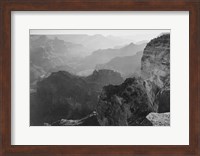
(155, 66)
(131, 102)
(155, 62)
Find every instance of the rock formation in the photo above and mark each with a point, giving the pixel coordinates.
(159, 119)
(130, 102)
(68, 99)
(155, 66)
(125, 104)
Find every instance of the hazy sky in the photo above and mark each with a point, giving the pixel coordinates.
(136, 35)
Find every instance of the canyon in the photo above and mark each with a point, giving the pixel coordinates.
(128, 86)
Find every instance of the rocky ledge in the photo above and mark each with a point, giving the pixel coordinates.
(89, 120)
(159, 119)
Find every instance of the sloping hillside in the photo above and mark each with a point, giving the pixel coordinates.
(103, 56)
(126, 65)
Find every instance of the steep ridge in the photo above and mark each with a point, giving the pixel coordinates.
(104, 77)
(125, 65)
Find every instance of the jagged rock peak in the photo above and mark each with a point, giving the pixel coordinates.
(105, 77)
(63, 73)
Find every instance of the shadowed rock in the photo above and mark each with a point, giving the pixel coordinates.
(66, 96)
(126, 104)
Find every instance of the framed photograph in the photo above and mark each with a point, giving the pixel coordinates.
(99, 77)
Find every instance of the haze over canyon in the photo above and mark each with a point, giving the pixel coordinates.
(99, 80)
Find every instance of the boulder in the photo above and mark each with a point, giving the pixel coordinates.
(159, 119)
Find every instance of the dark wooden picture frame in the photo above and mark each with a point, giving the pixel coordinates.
(193, 6)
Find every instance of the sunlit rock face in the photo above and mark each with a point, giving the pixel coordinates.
(155, 62)
(159, 119)
(155, 66)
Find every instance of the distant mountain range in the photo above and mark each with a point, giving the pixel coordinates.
(51, 53)
(57, 45)
(94, 42)
(105, 55)
(126, 65)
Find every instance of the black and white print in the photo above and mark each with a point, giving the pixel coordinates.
(100, 77)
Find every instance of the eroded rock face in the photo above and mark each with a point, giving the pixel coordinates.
(126, 104)
(155, 62)
(163, 99)
(155, 66)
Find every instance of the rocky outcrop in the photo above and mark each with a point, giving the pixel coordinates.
(131, 102)
(104, 77)
(162, 99)
(159, 119)
(155, 66)
(125, 104)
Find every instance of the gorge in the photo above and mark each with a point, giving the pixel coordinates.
(114, 94)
